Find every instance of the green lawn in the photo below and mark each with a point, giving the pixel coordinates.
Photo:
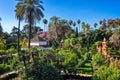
(86, 68)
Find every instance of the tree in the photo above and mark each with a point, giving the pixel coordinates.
(70, 60)
(70, 22)
(14, 32)
(19, 13)
(103, 24)
(25, 31)
(86, 28)
(64, 28)
(95, 24)
(1, 30)
(117, 21)
(32, 12)
(110, 23)
(78, 21)
(55, 22)
(76, 32)
(83, 26)
(74, 24)
(115, 38)
(45, 22)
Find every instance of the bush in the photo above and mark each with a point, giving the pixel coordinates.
(2, 44)
(2, 52)
(12, 50)
(8, 46)
(41, 71)
(4, 68)
(98, 60)
(50, 73)
(107, 73)
(55, 44)
(69, 59)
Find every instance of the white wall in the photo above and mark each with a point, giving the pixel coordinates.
(38, 43)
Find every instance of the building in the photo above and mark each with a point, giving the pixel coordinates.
(38, 42)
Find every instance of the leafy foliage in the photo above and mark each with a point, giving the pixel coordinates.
(107, 73)
(98, 60)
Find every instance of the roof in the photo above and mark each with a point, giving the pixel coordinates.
(35, 39)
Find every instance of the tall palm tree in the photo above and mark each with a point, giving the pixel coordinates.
(70, 22)
(95, 24)
(78, 21)
(110, 24)
(19, 11)
(115, 38)
(63, 27)
(55, 22)
(103, 24)
(32, 12)
(74, 24)
(0, 19)
(117, 21)
(1, 30)
(45, 22)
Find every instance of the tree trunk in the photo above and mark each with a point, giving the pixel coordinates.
(29, 37)
(56, 30)
(44, 27)
(79, 27)
(18, 36)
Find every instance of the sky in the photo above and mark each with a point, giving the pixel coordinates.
(88, 11)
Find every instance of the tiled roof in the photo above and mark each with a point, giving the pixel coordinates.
(35, 39)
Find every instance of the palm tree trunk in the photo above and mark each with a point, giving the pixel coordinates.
(29, 37)
(56, 30)
(79, 27)
(18, 36)
(44, 27)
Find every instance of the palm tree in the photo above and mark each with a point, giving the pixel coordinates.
(103, 24)
(1, 30)
(115, 38)
(95, 24)
(64, 27)
(19, 11)
(74, 24)
(45, 22)
(70, 22)
(78, 21)
(32, 12)
(55, 22)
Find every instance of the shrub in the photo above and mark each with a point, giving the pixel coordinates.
(2, 52)
(12, 50)
(55, 44)
(2, 43)
(50, 73)
(4, 68)
(107, 73)
(98, 60)
(41, 71)
(8, 46)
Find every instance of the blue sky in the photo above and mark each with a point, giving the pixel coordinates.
(89, 11)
